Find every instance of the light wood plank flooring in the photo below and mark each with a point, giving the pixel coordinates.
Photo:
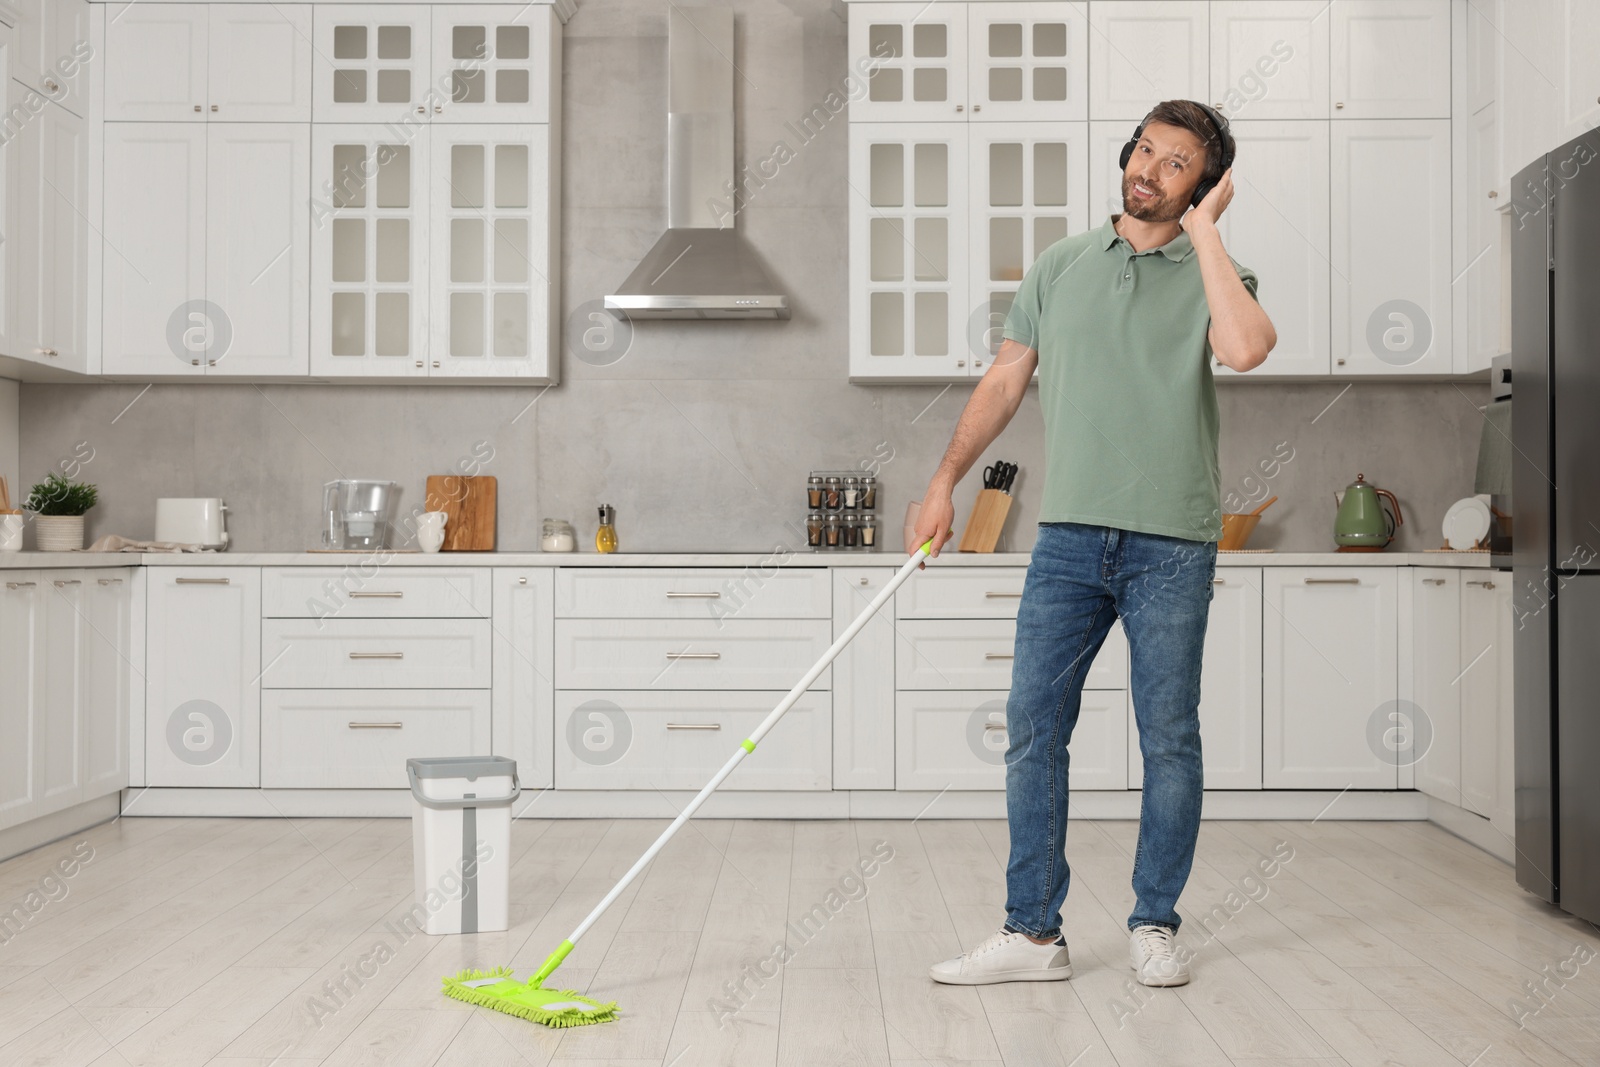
(271, 942)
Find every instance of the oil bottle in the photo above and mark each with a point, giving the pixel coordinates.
(605, 538)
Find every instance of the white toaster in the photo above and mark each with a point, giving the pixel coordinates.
(191, 521)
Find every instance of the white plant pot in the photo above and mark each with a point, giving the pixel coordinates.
(58, 533)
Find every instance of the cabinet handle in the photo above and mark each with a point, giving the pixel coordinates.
(1493, 193)
(1217, 106)
(109, 581)
(419, 362)
(61, 583)
(45, 352)
(213, 107)
(694, 655)
(1485, 584)
(203, 581)
(20, 585)
(194, 363)
(992, 725)
(197, 107)
(1219, 581)
(1000, 596)
(999, 655)
(377, 726)
(865, 581)
(435, 364)
(673, 594)
(1339, 105)
(977, 107)
(392, 595)
(523, 580)
(1433, 581)
(377, 655)
(1337, 581)
(422, 111)
(961, 107)
(438, 109)
(694, 726)
(1340, 361)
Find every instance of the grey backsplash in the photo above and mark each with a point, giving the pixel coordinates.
(702, 434)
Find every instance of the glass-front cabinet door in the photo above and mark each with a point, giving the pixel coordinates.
(492, 62)
(909, 303)
(490, 261)
(369, 244)
(372, 64)
(1030, 188)
(1028, 61)
(916, 57)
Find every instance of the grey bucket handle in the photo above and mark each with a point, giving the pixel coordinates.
(464, 802)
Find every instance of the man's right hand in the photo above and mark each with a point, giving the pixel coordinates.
(935, 520)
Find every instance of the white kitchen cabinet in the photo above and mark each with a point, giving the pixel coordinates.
(110, 676)
(493, 62)
(47, 248)
(361, 739)
(1390, 59)
(920, 62)
(1277, 225)
(155, 248)
(978, 654)
(60, 719)
(524, 690)
(956, 739)
(1029, 188)
(337, 653)
(258, 257)
(203, 677)
(490, 260)
(1477, 245)
(1269, 59)
(54, 54)
(764, 591)
(1486, 696)
(259, 63)
(909, 298)
(1391, 253)
(1329, 677)
(962, 593)
(1432, 739)
(1144, 51)
(369, 251)
(156, 62)
(1105, 170)
(372, 64)
(1027, 61)
(863, 682)
(1230, 687)
(689, 653)
(11, 222)
(23, 675)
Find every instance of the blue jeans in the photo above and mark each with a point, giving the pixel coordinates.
(1080, 580)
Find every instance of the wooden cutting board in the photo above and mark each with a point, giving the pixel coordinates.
(470, 503)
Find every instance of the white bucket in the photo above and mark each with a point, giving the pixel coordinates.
(461, 841)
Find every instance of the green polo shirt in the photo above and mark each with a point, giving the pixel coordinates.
(1130, 407)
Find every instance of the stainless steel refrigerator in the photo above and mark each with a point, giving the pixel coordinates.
(1555, 544)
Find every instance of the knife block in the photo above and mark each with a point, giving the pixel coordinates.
(988, 517)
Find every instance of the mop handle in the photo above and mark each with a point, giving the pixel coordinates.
(745, 748)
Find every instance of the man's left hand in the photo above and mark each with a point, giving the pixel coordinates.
(1209, 210)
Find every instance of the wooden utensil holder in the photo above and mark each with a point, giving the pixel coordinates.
(988, 518)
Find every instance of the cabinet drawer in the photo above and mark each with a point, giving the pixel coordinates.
(375, 654)
(368, 590)
(961, 593)
(353, 739)
(977, 654)
(660, 740)
(757, 592)
(689, 653)
(957, 740)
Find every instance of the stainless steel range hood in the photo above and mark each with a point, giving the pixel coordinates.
(700, 268)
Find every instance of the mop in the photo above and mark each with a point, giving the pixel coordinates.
(499, 989)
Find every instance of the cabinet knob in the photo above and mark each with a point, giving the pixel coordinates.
(194, 363)
(961, 107)
(52, 86)
(1339, 105)
(422, 111)
(419, 362)
(436, 363)
(863, 581)
(522, 580)
(1340, 361)
(961, 363)
(438, 109)
(977, 107)
(213, 107)
(1493, 193)
(197, 107)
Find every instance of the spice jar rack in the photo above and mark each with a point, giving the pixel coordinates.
(842, 511)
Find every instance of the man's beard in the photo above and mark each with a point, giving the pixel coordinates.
(1157, 209)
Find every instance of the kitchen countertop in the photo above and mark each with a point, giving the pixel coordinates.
(43, 560)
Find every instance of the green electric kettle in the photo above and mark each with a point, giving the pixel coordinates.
(1362, 524)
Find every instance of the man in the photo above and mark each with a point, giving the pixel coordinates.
(1122, 323)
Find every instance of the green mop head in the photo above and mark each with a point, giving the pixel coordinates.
(498, 989)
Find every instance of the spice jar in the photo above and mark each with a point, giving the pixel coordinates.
(814, 524)
(868, 523)
(557, 536)
(830, 529)
(852, 491)
(849, 527)
(831, 494)
(869, 491)
(814, 492)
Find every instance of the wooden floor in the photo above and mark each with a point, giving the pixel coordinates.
(194, 941)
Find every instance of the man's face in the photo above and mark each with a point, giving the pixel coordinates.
(1166, 165)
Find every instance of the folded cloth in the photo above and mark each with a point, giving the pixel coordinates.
(114, 543)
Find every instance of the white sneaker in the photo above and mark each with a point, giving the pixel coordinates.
(1006, 957)
(1154, 958)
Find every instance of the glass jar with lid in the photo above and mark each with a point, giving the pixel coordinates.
(814, 492)
(869, 492)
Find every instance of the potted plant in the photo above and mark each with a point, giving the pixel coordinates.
(58, 506)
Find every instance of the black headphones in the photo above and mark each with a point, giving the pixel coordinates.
(1224, 140)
